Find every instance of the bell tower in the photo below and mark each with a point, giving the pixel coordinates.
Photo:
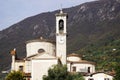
(61, 19)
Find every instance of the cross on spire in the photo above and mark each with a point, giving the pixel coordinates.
(61, 11)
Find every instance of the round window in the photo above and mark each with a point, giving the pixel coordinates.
(41, 50)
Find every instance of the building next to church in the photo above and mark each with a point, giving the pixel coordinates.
(43, 53)
(98, 76)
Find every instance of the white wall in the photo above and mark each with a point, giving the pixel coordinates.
(61, 38)
(99, 76)
(33, 47)
(28, 66)
(81, 67)
(61, 48)
(17, 64)
(40, 68)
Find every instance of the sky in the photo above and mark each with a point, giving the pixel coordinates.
(13, 11)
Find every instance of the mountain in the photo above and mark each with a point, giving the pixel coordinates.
(91, 26)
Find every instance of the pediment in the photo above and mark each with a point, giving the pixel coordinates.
(45, 55)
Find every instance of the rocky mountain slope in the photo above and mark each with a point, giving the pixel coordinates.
(92, 23)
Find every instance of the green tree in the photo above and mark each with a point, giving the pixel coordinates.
(59, 72)
(77, 76)
(117, 74)
(15, 75)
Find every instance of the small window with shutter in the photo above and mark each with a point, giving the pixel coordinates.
(21, 68)
(90, 79)
(106, 79)
(74, 69)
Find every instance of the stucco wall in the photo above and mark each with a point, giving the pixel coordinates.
(28, 66)
(99, 76)
(81, 67)
(40, 68)
(17, 64)
(33, 47)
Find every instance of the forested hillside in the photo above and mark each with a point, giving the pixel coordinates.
(93, 30)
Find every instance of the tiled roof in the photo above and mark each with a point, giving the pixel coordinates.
(81, 61)
(40, 40)
(73, 54)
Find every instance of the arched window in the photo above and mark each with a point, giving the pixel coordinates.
(61, 24)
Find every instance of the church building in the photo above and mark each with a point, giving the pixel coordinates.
(43, 53)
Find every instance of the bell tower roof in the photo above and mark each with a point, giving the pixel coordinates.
(61, 13)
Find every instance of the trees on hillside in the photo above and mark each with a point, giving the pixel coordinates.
(117, 74)
(15, 75)
(59, 72)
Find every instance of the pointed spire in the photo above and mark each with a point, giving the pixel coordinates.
(61, 10)
(61, 13)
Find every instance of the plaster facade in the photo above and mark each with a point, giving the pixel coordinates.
(42, 54)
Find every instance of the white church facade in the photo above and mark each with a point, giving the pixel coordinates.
(42, 54)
